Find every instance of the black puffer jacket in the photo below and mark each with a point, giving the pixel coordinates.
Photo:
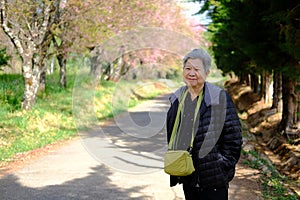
(217, 143)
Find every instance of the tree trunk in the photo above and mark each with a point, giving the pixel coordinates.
(62, 61)
(94, 65)
(262, 86)
(266, 79)
(122, 67)
(254, 83)
(42, 86)
(244, 79)
(32, 80)
(241, 78)
(118, 66)
(289, 102)
(277, 91)
(297, 117)
(31, 35)
(52, 66)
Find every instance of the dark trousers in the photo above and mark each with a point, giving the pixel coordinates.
(195, 193)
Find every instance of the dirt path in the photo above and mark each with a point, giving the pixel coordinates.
(107, 164)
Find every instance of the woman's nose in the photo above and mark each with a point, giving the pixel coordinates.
(192, 72)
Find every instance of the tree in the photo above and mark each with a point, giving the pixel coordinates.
(265, 37)
(125, 16)
(84, 25)
(73, 25)
(29, 29)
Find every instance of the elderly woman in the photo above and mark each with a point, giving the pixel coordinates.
(209, 119)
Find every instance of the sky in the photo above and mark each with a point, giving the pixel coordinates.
(190, 8)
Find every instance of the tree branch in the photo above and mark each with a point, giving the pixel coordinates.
(4, 23)
(45, 24)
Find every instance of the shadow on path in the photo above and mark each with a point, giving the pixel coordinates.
(245, 185)
(134, 141)
(96, 185)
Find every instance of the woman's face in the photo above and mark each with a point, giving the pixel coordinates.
(194, 74)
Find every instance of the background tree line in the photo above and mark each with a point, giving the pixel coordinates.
(42, 29)
(256, 40)
(259, 40)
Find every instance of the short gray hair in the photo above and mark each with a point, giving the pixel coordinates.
(200, 54)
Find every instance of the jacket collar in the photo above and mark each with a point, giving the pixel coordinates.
(211, 94)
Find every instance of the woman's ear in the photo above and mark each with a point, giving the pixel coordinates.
(207, 73)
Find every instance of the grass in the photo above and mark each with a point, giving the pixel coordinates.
(52, 117)
(48, 121)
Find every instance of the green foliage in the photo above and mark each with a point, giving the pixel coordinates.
(273, 186)
(11, 91)
(3, 57)
(274, 189)
(256, 162)
(254, 36)
(51, 118)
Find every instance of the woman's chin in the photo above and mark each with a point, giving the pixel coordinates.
(193, 83)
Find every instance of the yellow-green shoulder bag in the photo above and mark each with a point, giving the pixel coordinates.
(180, 162)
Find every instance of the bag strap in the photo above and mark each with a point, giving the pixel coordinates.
(175, 126)
(179, 110)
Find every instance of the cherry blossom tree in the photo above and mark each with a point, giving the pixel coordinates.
(29, 29)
